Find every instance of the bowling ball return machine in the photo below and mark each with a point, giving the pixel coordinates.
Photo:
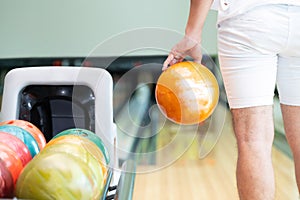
(58, 98)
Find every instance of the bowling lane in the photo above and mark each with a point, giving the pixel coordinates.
(212, 177)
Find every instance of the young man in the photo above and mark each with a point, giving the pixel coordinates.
(259, 47)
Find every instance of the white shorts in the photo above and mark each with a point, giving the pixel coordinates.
(259, 50)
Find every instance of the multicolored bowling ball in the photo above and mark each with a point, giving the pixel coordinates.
(11, 160)
(187, 93)
(57, 176)
(24, 136)
(31, 128)
(87, 134)
(80, 142)
(6, 182)
(81, 151)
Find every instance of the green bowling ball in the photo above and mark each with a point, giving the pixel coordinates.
(90, 135)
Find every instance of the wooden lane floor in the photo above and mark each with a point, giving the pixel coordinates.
(210, 178)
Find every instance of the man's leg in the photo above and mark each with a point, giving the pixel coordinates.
(255, 133)
(291, 119)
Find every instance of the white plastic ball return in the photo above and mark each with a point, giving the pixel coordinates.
(58, 98)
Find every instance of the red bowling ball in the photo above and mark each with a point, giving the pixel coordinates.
(11, 160)
(6, 181)
(17, 146)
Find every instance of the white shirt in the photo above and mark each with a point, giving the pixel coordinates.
(230, 8)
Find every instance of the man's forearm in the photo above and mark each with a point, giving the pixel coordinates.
(197, 15)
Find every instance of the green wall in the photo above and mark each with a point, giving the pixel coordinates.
(58, 28)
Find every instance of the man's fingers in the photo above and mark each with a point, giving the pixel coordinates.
(171, 60)
(168, 61)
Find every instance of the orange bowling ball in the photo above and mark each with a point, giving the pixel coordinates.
(187, 93)
(29, 127)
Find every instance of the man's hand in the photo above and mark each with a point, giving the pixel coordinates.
(186, 47)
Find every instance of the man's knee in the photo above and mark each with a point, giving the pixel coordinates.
(254, 127)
